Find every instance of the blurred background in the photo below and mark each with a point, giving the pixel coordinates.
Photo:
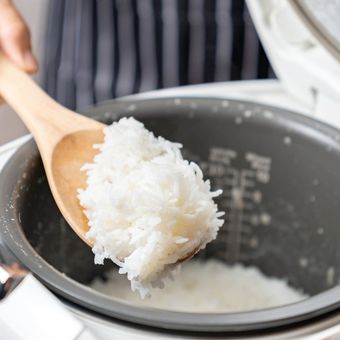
(94, 50)
(34, 12)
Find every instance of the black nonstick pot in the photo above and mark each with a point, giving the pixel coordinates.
(281, 180)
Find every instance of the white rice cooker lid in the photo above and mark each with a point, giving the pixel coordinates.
(302, 41)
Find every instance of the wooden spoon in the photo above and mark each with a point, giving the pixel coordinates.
(65, 140)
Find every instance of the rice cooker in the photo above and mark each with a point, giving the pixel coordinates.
(284, 164)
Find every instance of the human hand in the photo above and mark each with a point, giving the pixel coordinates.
(15, 40)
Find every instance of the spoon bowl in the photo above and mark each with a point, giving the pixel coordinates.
(69, 155)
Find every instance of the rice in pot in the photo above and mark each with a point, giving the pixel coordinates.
(210, 286)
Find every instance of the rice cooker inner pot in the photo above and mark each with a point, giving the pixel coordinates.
(280, 176)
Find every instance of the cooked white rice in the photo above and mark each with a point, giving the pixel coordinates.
(147, 207)
(209, 287)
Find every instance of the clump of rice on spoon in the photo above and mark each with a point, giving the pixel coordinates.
(148, 208)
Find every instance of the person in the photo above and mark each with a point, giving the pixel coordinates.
(101, 49)
(15, 39)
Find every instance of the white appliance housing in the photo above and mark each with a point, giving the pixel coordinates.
(302, 39)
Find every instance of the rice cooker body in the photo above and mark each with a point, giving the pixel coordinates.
(285, 163)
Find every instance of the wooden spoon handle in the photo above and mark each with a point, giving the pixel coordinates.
(43, 116)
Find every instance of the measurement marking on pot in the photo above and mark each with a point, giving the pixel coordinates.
(330, 276)
(241, 198)
(241, 176)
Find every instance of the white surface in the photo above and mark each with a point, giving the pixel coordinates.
(8, 149)
(307, 70)
(31, 312)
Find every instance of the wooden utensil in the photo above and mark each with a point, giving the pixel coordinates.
(65, 140)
